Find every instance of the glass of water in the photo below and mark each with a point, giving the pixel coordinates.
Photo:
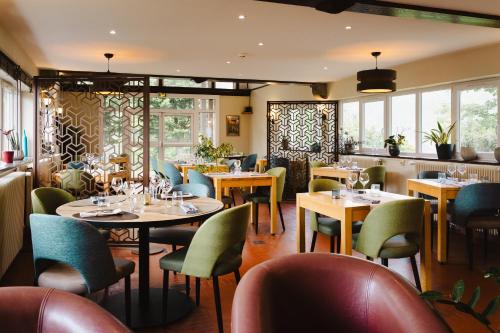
(375, 190)
(441, 177)
(461, 168)
(473, 178)
(102, 201)
(451, 168)
(177, 198)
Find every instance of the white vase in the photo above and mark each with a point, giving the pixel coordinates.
(468, 153)
(497, 154)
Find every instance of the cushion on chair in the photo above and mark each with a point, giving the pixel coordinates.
(395, 247)
(331, 227)
(178, 235)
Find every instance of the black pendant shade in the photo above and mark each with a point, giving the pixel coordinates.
(376, 80)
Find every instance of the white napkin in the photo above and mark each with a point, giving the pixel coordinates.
(101, 213)
(189, 208)
(359, 198)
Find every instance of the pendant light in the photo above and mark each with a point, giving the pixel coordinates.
(376, 80)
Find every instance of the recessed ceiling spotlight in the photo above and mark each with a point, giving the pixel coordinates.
(241, 17)
(228, 62)
(178, 70)
(325, 68)
(112, 32)
(260, 44)
(348, 27)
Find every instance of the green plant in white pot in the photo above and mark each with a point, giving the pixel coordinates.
(441, 136)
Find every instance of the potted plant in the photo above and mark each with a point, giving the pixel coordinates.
(206, 150)
(347, 144)
(393, 142)
(497, 154)
(8, 155)
(467, 150)
(440, 136)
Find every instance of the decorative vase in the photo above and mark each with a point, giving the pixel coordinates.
(18, 155)
(349, 149)
(445, 151)
(8, 156)
(394, 150)
(468, 153)
(497, 154)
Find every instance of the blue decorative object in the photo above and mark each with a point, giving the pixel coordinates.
(25, 143)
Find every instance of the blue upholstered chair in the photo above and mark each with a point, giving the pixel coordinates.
(196, 177)
(171, 171)
(248, 163)
(71, 255)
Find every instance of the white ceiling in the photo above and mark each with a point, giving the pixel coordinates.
(197, 37)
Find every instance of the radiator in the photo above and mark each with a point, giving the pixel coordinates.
(490, 173)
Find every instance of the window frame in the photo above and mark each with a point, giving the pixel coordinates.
(371, 99)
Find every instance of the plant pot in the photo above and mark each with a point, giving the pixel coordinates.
(445, 151)
(8, 156)
(497, 154)
(349, 149)
(18, 155)
(394, 150)
(468, 153)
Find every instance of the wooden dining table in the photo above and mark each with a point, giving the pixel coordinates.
(211, 168)
(146, 301)
(346, 210)
(442, 192)
(223, 181)
(332, 172)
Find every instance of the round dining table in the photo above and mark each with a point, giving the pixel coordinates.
(146, 301)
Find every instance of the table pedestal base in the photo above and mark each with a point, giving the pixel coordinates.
(179, 305)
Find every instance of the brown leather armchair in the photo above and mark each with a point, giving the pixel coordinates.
(42, 310)
(329, 293)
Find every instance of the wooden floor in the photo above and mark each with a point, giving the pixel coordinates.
(259, 248)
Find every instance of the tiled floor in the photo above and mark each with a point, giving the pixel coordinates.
(262, 247)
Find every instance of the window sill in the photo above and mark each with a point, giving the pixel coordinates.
(434, 159)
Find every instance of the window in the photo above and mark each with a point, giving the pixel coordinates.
(436, 106)
(350, 119)
(373, 125)
(224, 85)
(9, 116)
(403, 115)
(478, 108)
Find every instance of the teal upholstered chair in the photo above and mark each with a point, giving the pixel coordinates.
(215, 250)
(45, 200)
(171, 171)
(326, 225)
(377, 176)
(249, 162)
(477, 206)
(262, 195)
(196, 177)
(71, 255)
(154, 164)
(392, 230)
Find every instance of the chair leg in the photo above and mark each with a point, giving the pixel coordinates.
(188, 286)
(232, 195)
(369, 258)
(313, 242)
(165, 295)
(448, 240)
(217, 304)
(338, 243)
(332, 244)
(385, 262)
(281, 216)
(197, 291)
(256, 218)
(415, 272)
(485, 240)
(174, 248)
(127, 301)
(237, 276)
(469, 234)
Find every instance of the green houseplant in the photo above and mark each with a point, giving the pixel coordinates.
(393, 142)
(206, 150)
(8, 155)
(441, 136)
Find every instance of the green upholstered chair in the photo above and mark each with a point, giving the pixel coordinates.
(45, 200)
(171, 171)
(71, 255)
(392, 230)
(326, 225)
(215, 250)
(318, 164)
(431, 174)
(477, 206)
(248, 163)
(262, 195)
(196, 177)
(377, 176)
(179, 235)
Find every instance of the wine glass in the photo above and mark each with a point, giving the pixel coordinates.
(364, 178)
(462, 168)
(154, 183)
(126, 188)
(116, 184)
(101, 200)
(353, 179)
(349, 161)
(166, 186)
(451, 168)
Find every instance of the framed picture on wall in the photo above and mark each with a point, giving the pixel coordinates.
(233, 125)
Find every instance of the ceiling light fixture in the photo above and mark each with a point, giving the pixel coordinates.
(376, 80)
(348, 27)
(112, 32)
(325, 68)
(178, 70)
(228, 62)
(108, 56)
(241, 17)
(260, 44)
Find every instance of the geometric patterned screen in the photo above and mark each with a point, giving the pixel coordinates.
(90, 130)
(300, 132)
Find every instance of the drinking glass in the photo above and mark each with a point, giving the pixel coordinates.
(451, 168)
(237, 164)
(473, 178)
(364, 178)
(375, 190)
(101, 200)
(441, 177)
(353, 179)
(177, 198)
(139, 203)
(349, 161)
(354, 165)
(461, 168)
(153, 184)
(126, 188)
(116, 184)
(166, 187)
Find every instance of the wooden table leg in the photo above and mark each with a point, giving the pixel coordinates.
(274, 206)
(218, 189)
(425, 249)
(442, 225)
(346, 232)
(185, 175)
(301, 227)
(253, 211)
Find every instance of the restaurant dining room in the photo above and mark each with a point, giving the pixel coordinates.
(249, 166)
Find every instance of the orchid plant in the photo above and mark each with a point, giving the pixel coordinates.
(11, 138)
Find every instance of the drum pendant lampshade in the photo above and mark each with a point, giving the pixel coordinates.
(376, 80)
